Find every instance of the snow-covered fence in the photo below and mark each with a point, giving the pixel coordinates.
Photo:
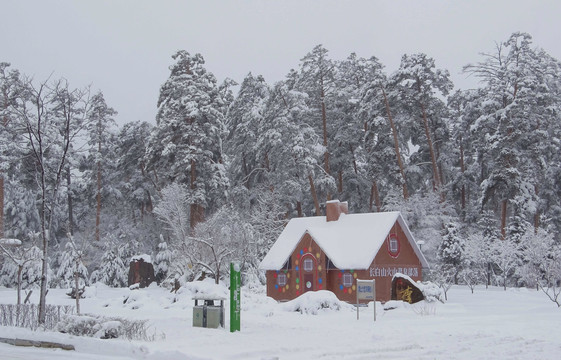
(27, 315)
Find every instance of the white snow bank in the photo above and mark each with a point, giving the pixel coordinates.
(206, 289)
(314, 302)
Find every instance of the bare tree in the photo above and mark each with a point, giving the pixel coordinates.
(53, 116)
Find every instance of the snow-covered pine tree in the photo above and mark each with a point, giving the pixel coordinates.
(244, 117)
(291, 150)
(162, 261)
(70, 264)
(186, 144)
(377, 112)
(352, 156)
(10, 90)
(418, 81)
(112, 269)
(101, 161)
(451, 248)
(317, 80)
(516, 127)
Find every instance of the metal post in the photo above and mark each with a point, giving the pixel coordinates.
(374, 291)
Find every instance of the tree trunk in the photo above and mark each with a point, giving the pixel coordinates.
(463, 170)
(70, 208)
(375, 197)
(77, 286)
(396, 146)
(436, 183)
(503, 219)
(20, 269)
(44, 263)
(98, 208)
(1, 205)
(299, 208)
(246, 172)
(324, 123)
(537, 214)
(314, 195)
(197, 210)
(340, 183)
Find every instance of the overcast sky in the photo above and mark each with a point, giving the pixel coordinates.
(124, 47)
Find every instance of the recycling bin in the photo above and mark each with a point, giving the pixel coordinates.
(208, 312)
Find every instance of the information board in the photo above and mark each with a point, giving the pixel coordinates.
(365, 290)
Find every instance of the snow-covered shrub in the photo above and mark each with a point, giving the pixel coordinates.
(70, 263)
(162, 262)
(314, 302)
(30, 273)
(26, 315)
(104, 327)
(443, 275)
(112, 270)
(431, 291)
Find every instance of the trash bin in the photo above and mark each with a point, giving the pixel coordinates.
(209, 314)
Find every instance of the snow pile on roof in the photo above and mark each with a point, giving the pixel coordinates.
(144, 257)
(314, 302)
(351, 242)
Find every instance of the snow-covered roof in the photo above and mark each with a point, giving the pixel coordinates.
(351, 242)
(144, 257)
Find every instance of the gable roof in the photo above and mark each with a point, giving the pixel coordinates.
(351, 242)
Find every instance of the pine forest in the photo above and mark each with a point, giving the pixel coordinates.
(476, 173)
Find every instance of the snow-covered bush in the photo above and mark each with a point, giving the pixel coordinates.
(26, 315)
(112, 270)
(30, 272)
(105, 327)
(70, 263)
(162, 262)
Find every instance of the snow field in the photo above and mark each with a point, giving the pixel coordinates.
(489, 324)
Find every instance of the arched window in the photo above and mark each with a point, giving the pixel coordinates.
(393, 245)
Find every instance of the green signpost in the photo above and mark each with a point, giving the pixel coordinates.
(235, 296)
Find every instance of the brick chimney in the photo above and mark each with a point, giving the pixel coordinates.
(334, 208)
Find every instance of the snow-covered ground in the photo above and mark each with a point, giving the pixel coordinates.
(489, 324)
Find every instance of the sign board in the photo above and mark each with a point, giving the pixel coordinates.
(235, 296)
(365, 290)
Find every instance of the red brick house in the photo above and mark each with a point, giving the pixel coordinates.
(330, 252)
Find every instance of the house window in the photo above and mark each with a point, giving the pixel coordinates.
(308, 265)
(393, 245)
(347, 279)
(281, 279)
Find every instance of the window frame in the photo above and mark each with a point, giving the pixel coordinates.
(284, 280)
(347, 279)
(309, 261)
(393, 239)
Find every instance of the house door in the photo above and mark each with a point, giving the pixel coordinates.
(309, 273)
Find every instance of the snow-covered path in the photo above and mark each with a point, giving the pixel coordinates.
(490, 324)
